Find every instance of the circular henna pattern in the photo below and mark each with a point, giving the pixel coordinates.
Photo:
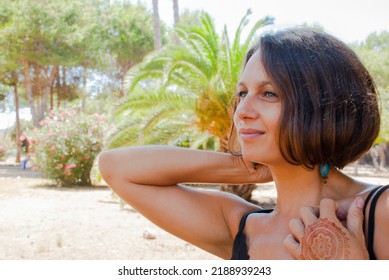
(324, 240)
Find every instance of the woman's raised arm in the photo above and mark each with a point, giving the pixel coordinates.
(149, 177)
(166, 165)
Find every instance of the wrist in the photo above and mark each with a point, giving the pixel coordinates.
(227, 168)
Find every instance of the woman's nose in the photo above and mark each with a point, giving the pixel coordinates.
(246, 109)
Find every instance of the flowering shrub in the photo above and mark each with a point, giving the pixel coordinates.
(65, 146)
(2, 153)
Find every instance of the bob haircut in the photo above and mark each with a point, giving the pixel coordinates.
(329, 100)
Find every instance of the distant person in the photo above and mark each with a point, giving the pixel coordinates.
(305, 108)
(25, 146)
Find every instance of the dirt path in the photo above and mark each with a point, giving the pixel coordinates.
(43, 222)
(40, 222)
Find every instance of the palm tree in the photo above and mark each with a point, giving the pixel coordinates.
(183, 92)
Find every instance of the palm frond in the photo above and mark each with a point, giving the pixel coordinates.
(243, 22)
(181, 94)
(188, 73)
(251, 35)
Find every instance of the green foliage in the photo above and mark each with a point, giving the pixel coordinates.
(374, 52)
(129, 32)
(41, 31)
(384, 133)
(184, 91)
(66, 145)
(53, 43)
(146, 120)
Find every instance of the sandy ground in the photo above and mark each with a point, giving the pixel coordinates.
(50, 223)
(39, 221)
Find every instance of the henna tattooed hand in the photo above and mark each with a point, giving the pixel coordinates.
(325, 238)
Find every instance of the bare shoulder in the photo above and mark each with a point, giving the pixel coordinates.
(220, 212)
(234, 208)
(381, 228)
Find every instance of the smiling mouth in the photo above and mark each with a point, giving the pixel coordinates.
(249, 133)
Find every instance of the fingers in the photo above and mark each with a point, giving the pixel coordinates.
(292, 246)
(309, 215)
(319, 234)
(297, 228)
(342, 209)
(328, 209)
(336, 212)
(355, 217)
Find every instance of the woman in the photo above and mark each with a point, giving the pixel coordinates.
(305, 108)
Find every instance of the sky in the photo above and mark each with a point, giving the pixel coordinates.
(7, 119)
(349, 20)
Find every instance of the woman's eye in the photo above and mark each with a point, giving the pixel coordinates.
(242, 94)
(269, 94)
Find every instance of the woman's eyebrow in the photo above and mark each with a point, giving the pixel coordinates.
(261, 84)
(265, 83)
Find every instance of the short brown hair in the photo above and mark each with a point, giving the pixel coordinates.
(330, 108)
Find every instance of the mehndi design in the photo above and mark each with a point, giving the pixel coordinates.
(324, 240)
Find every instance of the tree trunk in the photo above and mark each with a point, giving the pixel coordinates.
(28, 87)
(57, 81)
(176, 19)
(62, 85)
(47, 88)
(65, 85)
(84, 82)
(58, 89)
(17, 118)
(124, 69)
(382, 156)
(157, 27)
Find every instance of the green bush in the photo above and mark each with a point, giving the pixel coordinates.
(66, 145)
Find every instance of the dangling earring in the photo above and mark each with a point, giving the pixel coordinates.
(324, 170)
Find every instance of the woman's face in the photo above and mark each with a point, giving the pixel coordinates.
(257, 114)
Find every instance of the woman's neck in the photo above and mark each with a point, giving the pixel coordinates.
(297, 187)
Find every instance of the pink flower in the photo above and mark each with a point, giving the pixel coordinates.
(70, 166)
(43, 123)
(22, 138)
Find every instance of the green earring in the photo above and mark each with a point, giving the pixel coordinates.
(324, 170)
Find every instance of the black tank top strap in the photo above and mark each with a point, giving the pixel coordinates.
(373, 196)
(370, 196)
(239, 248)
(244, 218)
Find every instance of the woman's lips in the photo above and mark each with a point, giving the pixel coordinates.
(249, 133)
